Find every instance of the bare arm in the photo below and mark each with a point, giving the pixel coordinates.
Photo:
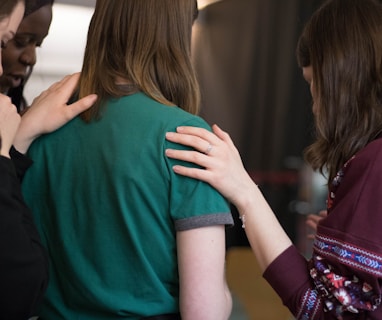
(204, 294)
(49, 111)
(9, 123)
(225, 172)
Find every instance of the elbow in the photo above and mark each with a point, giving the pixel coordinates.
(215, 307)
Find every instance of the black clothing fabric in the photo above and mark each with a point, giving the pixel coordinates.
(23, 260)
(21, 163)
(34, 5)
(18, 99)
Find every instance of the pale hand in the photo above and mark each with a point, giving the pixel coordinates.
(216, 153)
(9, 123)
(49, 111)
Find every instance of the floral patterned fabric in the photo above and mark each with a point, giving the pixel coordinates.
(343, 279)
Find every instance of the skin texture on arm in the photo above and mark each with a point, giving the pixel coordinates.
(49, 111)
(204, 293)
(224, 170)
(9, 123)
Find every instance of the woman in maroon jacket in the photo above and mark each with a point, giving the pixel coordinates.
(340, 52)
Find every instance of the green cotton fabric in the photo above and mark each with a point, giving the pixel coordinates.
(107, 205)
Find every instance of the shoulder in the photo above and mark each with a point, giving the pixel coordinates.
(160, 113)
(367, 160)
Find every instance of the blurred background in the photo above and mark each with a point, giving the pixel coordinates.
(244, 54)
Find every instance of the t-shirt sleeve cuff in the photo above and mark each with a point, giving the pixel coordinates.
(204, 221)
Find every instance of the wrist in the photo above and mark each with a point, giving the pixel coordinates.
(246, 198)
(4, 153)
(24, 138)
(22, 145)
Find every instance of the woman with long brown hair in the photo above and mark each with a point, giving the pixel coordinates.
(128, 238)
(340, 53)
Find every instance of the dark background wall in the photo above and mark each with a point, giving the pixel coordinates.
(244, 53)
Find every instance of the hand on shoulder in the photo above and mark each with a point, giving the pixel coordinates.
(220, 159)
(49, 111)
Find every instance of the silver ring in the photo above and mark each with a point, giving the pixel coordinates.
(208, 150)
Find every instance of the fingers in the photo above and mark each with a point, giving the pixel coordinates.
(323, 213)
(197, 138)
(312, 224)
(220, 133)
(67, 85)
(311, 236)
(81, 105)
(313, 219)
(208, 149)
(195, 173)
(70, 80)
(186, 139)
(62, 90)
(223, 135)
(201, 133)
(202, 139)
(189, 156)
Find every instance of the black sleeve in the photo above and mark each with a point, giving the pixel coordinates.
(23, 260)
(20, 161)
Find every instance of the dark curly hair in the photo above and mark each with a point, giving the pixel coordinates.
(33, 5)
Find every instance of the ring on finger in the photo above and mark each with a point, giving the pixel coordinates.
(208, 149)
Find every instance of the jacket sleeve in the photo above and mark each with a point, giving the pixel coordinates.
(23, 261)
(20, 162)
(343, 279)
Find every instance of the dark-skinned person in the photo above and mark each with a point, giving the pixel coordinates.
(23, 260)
(340, 53)
(19, 56)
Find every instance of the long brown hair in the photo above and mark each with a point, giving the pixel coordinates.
(342, 43)
(147, 44)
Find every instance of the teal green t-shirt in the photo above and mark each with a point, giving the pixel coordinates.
(108, 205)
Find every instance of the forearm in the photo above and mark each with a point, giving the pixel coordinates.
(24, 136)
(4, 150)
(265, 234)
(215, 306)
(204, 292)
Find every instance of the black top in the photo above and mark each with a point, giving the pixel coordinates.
(23, 260)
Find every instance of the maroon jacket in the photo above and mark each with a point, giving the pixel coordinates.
(344, 277)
